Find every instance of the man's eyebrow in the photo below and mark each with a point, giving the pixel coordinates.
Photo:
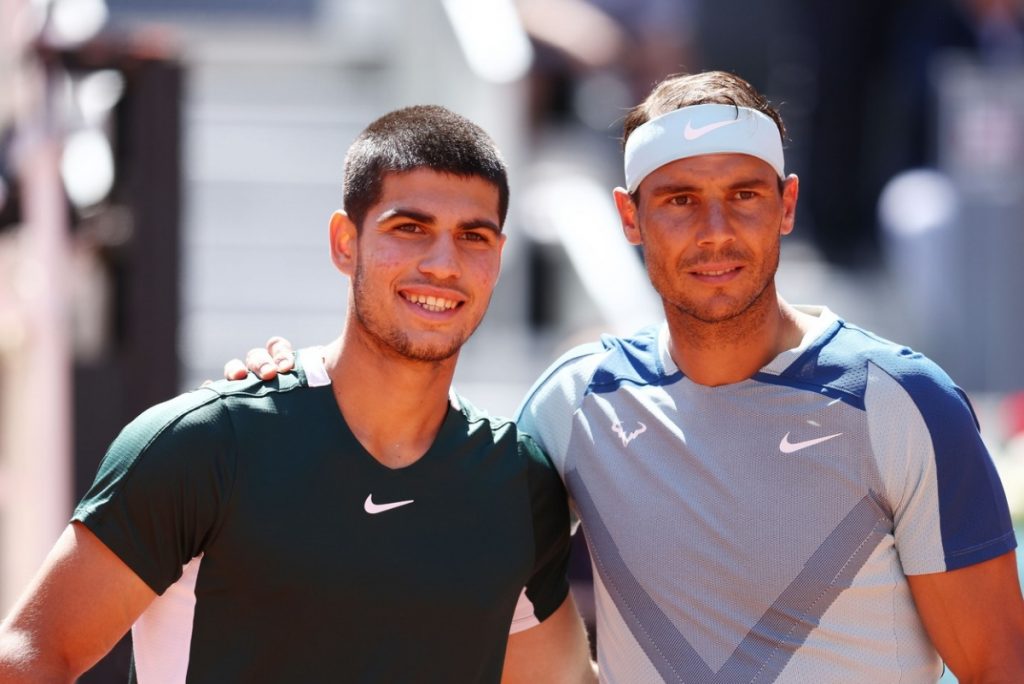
(672, 189)
(403, 212)
(676, 188)
(429, 219)
(486, 224)
(751, 183)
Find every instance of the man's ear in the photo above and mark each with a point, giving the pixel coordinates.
(627, 214)
(502, 241)
(790, 194)
(343, 242)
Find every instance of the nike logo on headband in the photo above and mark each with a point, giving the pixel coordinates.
(691, 133)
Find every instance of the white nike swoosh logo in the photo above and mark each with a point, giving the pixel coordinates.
(787, 447)
(691, 133)
(374, 509)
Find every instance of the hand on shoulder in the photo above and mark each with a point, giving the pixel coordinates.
(277, 357)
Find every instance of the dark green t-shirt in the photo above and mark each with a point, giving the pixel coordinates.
(305, 559)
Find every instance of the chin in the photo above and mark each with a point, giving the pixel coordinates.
(432, 355)
(720, 312)
(429, 352)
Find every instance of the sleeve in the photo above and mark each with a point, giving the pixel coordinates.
(948, 504)
(548, 585)
(546, 412)
(158, 496)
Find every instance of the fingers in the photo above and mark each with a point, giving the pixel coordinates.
(261, 363)
(282, 353)
(278, 357)
(233, 370)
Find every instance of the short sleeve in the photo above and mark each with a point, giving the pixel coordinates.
(949, 507)
(546, 411)
(548, 585)
(160, 491)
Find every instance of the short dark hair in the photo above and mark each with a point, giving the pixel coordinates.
(423, 136)
(687, 90)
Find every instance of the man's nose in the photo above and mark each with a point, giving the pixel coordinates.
(715, 227)
(441, 259)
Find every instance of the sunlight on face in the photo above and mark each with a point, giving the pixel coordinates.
(427, 260)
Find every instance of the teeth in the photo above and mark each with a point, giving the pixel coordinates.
(716, 273)
(431, 303)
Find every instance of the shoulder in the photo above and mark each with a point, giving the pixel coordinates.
(540, 468)
(166, 449)
(194, 415)
(251, 388)
(191, 420)
(598, 366)
(506, 432)
(846, 358)
(481, 423)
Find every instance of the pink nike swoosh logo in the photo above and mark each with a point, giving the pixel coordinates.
(374, 509)
(691, 133)
(787, 447)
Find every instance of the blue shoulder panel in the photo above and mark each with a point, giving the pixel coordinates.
(974, 516)
(633, 360)
(835, 365)
(973, 513)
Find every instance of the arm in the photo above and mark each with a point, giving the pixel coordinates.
(277, 357)
(79, 605)
(975, 618)
(554, 651)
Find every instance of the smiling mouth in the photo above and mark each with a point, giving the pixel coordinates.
(717, 273)
(431, 303)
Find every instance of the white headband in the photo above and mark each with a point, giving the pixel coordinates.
(702, 129)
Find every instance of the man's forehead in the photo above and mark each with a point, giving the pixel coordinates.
(427, 182)
(429, 196)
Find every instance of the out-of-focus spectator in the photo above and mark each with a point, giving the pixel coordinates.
(596, 57)
(872, 114)
(998, 26)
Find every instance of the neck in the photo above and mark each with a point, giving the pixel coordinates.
(726, 352)
(394, 406)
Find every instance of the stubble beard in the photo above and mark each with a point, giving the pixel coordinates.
(725, 323)
(391, 339)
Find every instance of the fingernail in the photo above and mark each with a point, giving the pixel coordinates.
(267, 368)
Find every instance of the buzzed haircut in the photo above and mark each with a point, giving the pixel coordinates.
(687, 90)
(419, 137)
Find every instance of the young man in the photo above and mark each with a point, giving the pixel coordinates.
(816, 504)
(351, 522)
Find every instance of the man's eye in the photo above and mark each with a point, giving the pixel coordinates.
(474, 237)
(746, 194)
(408, 228)
(681, 200)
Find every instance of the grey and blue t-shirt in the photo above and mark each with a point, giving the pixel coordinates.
(762, 531)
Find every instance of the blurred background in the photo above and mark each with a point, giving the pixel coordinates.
(168, 167)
